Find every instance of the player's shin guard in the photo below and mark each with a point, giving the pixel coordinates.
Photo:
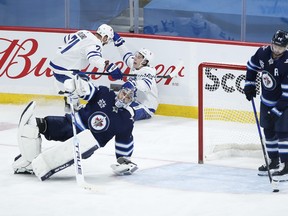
(61, 156)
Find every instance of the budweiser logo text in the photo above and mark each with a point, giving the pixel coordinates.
(19, 59)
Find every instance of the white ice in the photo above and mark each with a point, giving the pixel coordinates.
(169, 180)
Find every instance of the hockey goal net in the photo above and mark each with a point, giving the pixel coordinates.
(226, 121)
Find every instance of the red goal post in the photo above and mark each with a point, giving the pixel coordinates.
(230, 73)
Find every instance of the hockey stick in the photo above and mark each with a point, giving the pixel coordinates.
(77, 153)
(126, 75)
(273, 182)
(171, 75)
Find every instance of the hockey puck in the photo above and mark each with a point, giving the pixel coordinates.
(275, 190)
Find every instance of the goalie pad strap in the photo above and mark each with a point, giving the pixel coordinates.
(61, 156)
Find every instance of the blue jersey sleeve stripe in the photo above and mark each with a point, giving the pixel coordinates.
(252, 66)
(268, 103)
(285, 94)
(79, 122)
(93, 52)
(148, 82)
(94, 56)
(126, 57)
(92, 92)
(284, 87)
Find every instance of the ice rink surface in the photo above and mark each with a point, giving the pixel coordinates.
(169, 180)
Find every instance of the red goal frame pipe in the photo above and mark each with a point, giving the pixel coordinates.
(200, 101)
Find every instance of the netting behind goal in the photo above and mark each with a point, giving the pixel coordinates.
(226, 119)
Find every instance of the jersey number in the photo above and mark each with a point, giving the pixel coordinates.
(74, 39)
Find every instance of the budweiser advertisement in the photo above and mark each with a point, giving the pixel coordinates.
(25, 54)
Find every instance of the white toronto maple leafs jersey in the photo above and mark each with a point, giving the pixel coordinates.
(147, 91)
(78, 51)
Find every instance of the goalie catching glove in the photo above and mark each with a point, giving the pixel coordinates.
(124, 166)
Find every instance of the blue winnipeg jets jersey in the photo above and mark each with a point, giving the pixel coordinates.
(105, 120)
(274, 77)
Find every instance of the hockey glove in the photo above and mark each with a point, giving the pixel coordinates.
(250, 91)
(114, 71)
(118, 41)
(131, 84)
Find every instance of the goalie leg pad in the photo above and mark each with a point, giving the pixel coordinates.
(124, 167)
(30, 147)
(61, 156)
(29, 140)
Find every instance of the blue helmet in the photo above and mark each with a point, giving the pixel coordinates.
(280, 38)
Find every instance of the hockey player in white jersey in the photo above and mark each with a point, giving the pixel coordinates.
(80, 49)
(146, 91)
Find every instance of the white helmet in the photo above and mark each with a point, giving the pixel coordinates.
(147, 54)
(104, 30)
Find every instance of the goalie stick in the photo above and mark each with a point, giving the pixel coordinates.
(273, 182)
(77, 154)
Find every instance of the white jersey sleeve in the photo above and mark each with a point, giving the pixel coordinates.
(79, 50)
(127, 55)
(147, 91)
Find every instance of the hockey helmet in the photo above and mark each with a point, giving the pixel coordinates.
(280, 38)
(147, 54)
(125, 97)
(105, 30)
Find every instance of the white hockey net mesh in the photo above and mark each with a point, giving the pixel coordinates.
(227, 124)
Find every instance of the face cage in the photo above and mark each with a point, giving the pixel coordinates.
(120, 103)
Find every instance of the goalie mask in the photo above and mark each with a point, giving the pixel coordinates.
(124, 97)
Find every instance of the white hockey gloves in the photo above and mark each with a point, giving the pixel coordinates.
(124, 166)
(77, 85)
